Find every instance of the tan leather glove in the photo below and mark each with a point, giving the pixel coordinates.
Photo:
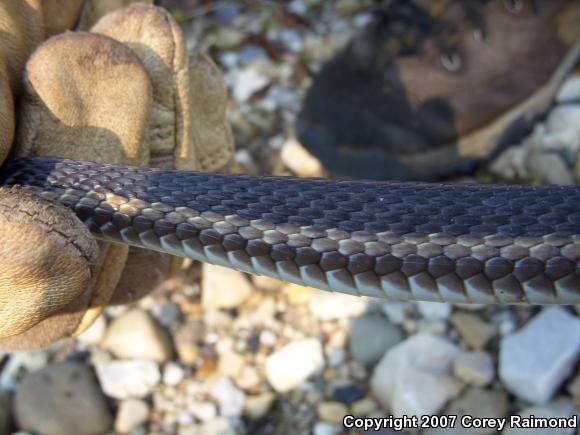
(124, 92)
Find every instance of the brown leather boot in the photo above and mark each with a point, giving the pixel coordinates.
(432, 88)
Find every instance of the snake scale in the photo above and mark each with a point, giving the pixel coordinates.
(405, 241)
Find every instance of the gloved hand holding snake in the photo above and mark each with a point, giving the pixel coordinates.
(120, 96)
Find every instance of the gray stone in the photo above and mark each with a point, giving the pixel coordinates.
(326, 428)
(550, 168)
(473, 330)
(126, 379)
(475, 403)
(534, 361)
(414, 377)
(223, 288)
(371, 336)
(399, 311)
(229, 398)
(434, 310)
(134, 334)
(563, 117)
(132, 413)
(167, 314)
(569, 92)
(475, 368)
(329, 306)
(560, 408)
(62, 399)
(293, 364)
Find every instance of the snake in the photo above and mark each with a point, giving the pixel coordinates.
(459, 243)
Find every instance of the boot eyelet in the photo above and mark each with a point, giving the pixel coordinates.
(452, 62)
(514, 6)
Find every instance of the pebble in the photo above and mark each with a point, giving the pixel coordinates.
(246, 82)
(258, 406)
(173, 374)
(563, 117)
(231, 364)
(18, 363)
(62, 398)
(364, 407)
(476, 403)
(550, 168)
(398, 311)
(223, 288)
(348, 394)
(132, 413)
(570, 90)
(326, 305)
(266, 283)
(124, 379)
(534, 361)
(95, 333)
(203, 411)
(326, 428)
(135, 334)
(230, 399)
(186, 341)
(473, 330)
(371, 336)
(216, 426)
(249, 378)
(298, 294)
(167, 314)
(414, 377)
(475, 368)
(560, 408)
(434, 310)
(294, 363)
(332, 412)
(299, 160)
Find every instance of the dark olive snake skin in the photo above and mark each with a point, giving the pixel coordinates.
(435, 242)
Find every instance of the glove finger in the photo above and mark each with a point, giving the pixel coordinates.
(158, 41)
(48, 264)
(6, 117)
(87, 96)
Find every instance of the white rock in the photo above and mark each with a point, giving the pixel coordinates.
(229, 398)
(398, 311)
(551, 168)
(203, 411)
(124, 379)
(326, 428)
(95, 333)
(131, 414)
(434, 310)
(134, 334)
(299, 160)
(223, 288)
(173, 374)
(332, 412)
(293, 364)
(564, 116)
(247, 81)
(534, 361)
(330, 306)
(475, 368)
(414, 377)
(18, 363)
(371, 336)
(570, 90)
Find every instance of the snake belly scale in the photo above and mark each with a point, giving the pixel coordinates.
(404, 241)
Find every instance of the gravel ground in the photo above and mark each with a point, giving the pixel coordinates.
(219, 352)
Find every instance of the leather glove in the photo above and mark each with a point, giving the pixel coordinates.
(124, 92)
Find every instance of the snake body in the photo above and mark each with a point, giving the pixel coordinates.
(405, 241)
